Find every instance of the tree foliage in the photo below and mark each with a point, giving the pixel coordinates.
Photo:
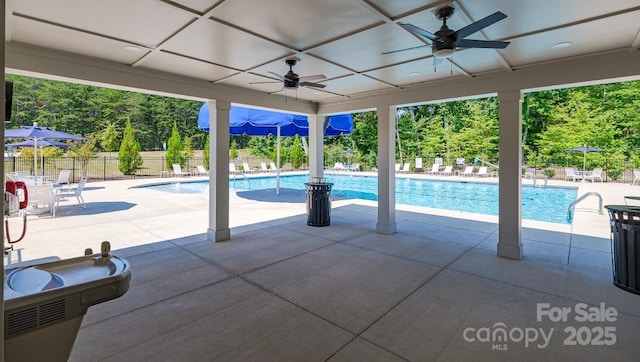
(605, 116)
(129, 159)
(175, 149)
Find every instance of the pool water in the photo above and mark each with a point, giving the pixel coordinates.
(538, 203)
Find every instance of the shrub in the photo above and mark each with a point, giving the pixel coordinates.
(549, 172)
(129, 159)
(175, 149)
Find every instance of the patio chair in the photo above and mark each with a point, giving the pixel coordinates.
(406, 168)
(63, 179)
(354, 167)
(483, 171)
(232, 168)
(177, 170)
(448, 170)
(246, 168)
(60, 195)
(435, 168)
(263, 167)
(570, 173)
(468, 171)
(636, 176)
(272, 166)
(339, 166)
(596, 173)
(200, 170)
(398, 167)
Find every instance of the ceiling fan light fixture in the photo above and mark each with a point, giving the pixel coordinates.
(414, 74)
(443, 53)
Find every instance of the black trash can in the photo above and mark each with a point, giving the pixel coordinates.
(318, 202)
(625, 246)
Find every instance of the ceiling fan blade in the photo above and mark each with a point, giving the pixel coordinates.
(419, 31)
(310, 84)
(273, 81)
(478, 25)
(281, 77)
(471, 43)
(312, 77)
(405, 49)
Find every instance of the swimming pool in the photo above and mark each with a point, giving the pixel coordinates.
(538, 203)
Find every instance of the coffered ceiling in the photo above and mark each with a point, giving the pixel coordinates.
(239, 44)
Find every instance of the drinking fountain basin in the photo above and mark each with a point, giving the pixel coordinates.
(45, 303)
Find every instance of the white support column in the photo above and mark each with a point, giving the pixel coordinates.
(3, 12)
(219, 171)
(510, 194)
(316, 146)
(386, 170)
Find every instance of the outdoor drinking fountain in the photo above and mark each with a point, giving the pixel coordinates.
(45, 303)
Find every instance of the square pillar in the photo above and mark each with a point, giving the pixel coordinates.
(316, 145)
(510, 192)
(386, 170)
(219, 171)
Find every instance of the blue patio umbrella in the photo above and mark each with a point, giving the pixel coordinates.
(41, 143)
(258, 122)
(35, 134)
(584, 149)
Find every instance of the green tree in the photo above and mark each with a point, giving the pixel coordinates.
(206, 153)
(174, 149)
(187, 148)
(109, 138)
(233, 150)
(84, 151)
(129, 159)
(297, 153)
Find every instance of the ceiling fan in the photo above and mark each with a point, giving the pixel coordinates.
(445, 41)
(293, 81)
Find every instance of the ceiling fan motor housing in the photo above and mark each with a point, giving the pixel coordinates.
(443, 48)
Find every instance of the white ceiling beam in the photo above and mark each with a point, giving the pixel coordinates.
(52, 64)
(583, 70)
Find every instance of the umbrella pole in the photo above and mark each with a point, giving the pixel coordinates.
(35, 161)
(278, 161)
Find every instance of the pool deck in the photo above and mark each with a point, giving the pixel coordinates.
(282, 290)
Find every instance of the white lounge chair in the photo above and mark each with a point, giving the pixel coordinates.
(448, 170)
(338, 166)
(232, 168)
(263, 167)
(177, 171)
(272, 166)
(596, 173)
(246, 168)
(636, 176)
(398, 167)
(60, 195)
(406, 167)
(200, 170)
(483, 171)
(435, 168)
(468, 171)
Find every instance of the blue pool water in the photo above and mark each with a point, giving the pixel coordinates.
(538, 203)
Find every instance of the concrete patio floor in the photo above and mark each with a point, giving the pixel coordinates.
(280, 290)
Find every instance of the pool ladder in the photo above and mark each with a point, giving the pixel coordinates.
(573, 204)
(244, 176)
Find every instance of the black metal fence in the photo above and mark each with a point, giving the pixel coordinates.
(106, 167)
